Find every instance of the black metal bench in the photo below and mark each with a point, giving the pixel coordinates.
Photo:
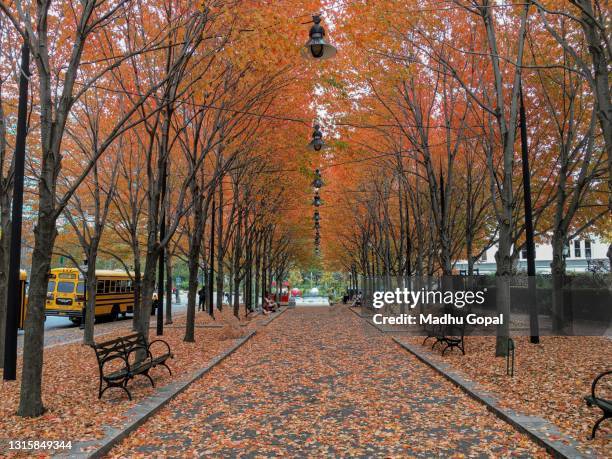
(594, 400)
(131, 356)
(449, 336)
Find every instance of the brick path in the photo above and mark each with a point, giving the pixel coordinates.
(321, 382)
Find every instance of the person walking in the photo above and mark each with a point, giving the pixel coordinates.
(201, 298)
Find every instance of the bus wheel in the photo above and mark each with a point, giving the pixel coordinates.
(75, 320)
(114, 313)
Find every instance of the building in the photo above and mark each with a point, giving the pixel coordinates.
(583, 254)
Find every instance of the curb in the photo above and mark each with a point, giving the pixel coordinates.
(539, 430)
(140, 413)
(359, 314)
(275, 316)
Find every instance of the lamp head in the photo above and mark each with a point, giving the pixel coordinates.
(316, 48)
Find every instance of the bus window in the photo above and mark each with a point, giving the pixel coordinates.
(65, 287)
(80, 288)
(100, 287)
(113, 286)
(129, 288)
(106, 286)
(51, 286)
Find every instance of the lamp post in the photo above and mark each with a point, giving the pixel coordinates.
(14, 294)
(162, 256)
(316, 48)
(529, 236)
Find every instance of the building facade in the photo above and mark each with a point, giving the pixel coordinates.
(582, 255)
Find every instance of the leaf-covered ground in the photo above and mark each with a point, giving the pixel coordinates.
(321, 382)
(70, 380)
(550, 380)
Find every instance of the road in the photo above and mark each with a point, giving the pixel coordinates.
(59, 330)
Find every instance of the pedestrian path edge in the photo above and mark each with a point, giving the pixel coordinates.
(538, 429)
(140, 413)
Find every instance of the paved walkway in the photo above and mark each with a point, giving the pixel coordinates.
(321, 382)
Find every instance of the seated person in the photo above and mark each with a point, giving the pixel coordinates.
(269, 305)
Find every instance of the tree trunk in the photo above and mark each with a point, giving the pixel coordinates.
(5, 239)
(248, 282)
(557, 269)
(137, 308)
(30, 403)
(257, 271)
(196, 239)
(220, 250)
(90, 305)
(148, 288)
(502, 282)
(195, 245)
(237, 256)
(169, 289)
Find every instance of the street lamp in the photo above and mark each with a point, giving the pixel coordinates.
(317, 143)
(529, 230)
(316, 48)
(317, 217)
(317, 183)
(317, 225)
(13, 297)
(317, 200)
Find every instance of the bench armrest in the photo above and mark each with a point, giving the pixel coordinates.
(595, 381)
(104, 361)
(159, 341)
(136, 349)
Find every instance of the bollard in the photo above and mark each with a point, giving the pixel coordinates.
(510, 358)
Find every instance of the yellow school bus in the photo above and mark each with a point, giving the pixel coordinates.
(66, 294)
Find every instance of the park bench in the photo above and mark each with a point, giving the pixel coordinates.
(123, 358)
(594, 400)
(450, 336)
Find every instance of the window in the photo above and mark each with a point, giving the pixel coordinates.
(524, 253)
(100, 287)
(129, 286)
(577, 248)
(587, 249)
(65, 287)
(483, 257)
(566, 251)
(113, 287)
(51, 286)
(106, 286)
(122, 286)
(80, 288)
